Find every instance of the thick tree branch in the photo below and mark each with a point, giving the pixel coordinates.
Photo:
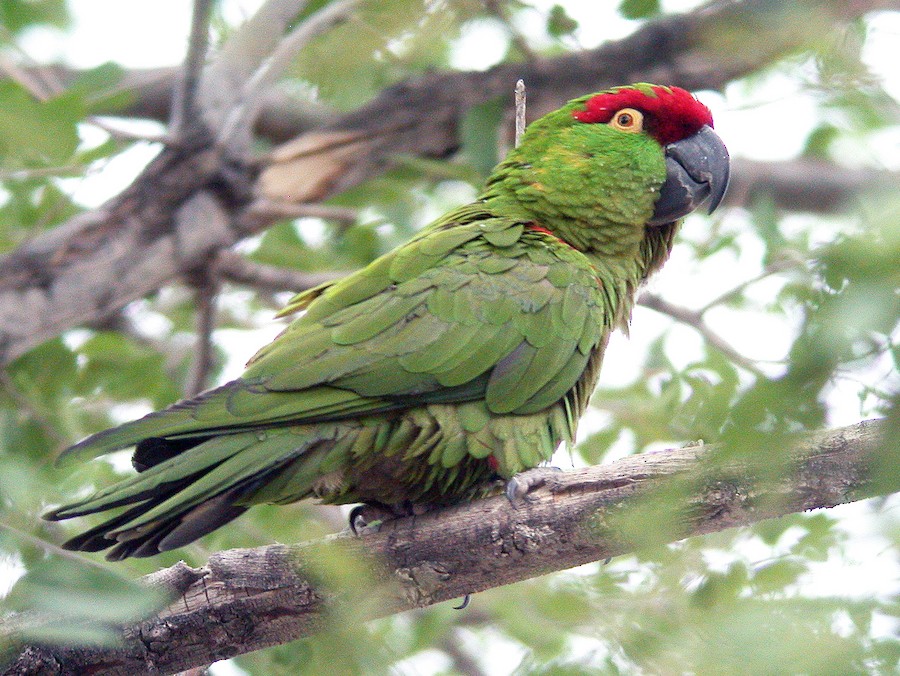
(247, 599)
(814, 186)
(421, 117)
(133, 245)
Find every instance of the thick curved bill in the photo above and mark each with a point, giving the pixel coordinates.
(696, 172)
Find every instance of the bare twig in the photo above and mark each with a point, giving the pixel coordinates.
(772, 268)
(32, 80)
(463, 663)
(241, 116)
(206, 291)
(520, 111)
(184, 97)
(51, 548)
(235, 268)
(498, 9)
(272, 210)
(695, 320)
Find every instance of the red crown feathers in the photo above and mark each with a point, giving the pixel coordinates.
(671, 112)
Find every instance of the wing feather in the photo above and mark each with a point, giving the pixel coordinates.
(494, 315)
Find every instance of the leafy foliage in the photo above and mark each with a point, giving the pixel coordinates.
(758, 600)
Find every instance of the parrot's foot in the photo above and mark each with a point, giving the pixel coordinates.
(369, 515)
(372, 514)
(523, 483)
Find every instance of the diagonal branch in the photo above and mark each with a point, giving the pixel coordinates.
(240, 118)
(694, 319)
(235, 268)
(247, 599)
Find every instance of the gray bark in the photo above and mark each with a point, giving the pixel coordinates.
(246, 599)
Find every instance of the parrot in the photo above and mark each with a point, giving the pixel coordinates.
(457, 361)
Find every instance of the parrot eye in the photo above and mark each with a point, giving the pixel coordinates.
(628, 119)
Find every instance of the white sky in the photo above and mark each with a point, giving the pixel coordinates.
(770, 123)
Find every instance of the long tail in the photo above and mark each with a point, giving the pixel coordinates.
(176, 500)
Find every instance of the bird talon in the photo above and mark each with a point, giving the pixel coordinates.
(368, 516)
(519, 487)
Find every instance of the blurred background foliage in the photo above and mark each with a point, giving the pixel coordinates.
(773, 321)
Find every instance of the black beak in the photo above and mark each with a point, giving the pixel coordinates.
(696, 169)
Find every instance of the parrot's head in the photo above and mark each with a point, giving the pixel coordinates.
(610, 164)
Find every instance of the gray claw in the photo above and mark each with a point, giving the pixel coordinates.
(523, 483)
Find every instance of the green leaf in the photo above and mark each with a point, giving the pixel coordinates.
(124, 369)
(775, 576)
(819, 141)
(559, 23)
(37, 133)
(74, 594)
(639, 9)
(18, 15)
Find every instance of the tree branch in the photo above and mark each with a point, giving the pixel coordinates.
(813, 186)
(184, 95)
(247, 599)
(206, 289)
(421, 117)
(235, 268)
(240, 117)
(694, 318)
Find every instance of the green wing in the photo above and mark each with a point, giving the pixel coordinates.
(480, 308)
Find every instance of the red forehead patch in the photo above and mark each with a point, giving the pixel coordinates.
(672, 113)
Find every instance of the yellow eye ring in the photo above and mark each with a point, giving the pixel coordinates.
(628, 119)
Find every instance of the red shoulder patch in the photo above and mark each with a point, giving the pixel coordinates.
(671, 113)
(534, 227)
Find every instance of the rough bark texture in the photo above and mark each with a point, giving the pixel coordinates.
(193, 201)
(247, 599)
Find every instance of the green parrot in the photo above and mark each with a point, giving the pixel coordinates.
(465, 356)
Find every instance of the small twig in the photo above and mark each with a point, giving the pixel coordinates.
(184, 97)
(241, 116)
(42, 172)
(51, 548)
(29, 80)
(773, 268)
(520, 111)
(206, 291)
(124, 135)
(694, 319)
(235, 268)
(271, 209)
(518, 40)
(463, 662)
(42, 84)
